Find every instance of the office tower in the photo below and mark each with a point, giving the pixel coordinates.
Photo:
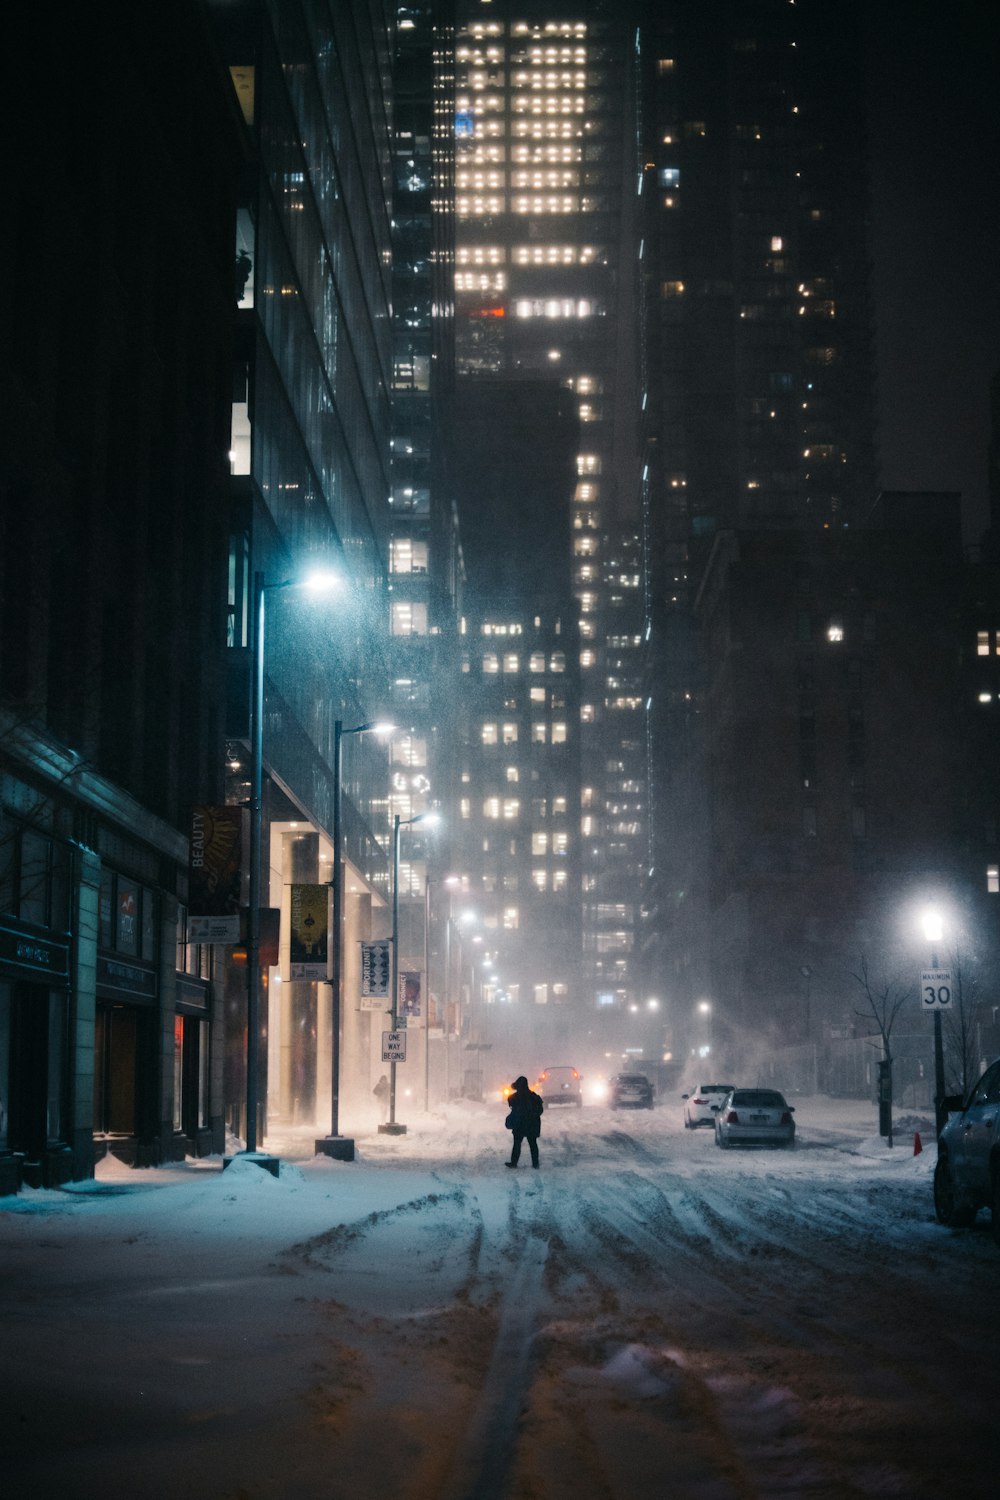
(311, 429)
(519, 708)
(545, 263)
(426, 567)
(116, 309)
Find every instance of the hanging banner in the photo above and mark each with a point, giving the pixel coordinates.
(309, 932)
(375, 973)
(410, 998)
(215, 874)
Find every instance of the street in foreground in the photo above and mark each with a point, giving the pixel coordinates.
(647, 1316)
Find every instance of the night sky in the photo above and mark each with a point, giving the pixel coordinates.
(935, 135)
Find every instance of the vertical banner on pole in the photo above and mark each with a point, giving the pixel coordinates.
(215, 874)
(310, 932)
(410, 1001)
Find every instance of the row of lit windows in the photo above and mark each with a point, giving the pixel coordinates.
(481, 181)
(553, 307)
(987, 642)
(531, 255)
(511, 662)
(507, 734)
(546, 78)
(537, 130)
(480, 281)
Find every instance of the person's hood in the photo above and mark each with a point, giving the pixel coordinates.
(520, 1083)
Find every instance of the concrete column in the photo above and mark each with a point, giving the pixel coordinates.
(83, 1000)
(296, 1002)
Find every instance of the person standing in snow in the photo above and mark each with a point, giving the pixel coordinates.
(525, 1120)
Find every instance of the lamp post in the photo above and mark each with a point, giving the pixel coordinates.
(933, 926)
(335, 1145)
(391, 1127)
(317, 581)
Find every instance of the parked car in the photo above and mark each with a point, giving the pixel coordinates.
(560, 1086)
(698, 1104)
(631, 1091)
(761, 1116)
(967, 1175)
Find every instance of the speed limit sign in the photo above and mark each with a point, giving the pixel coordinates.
(935, 989)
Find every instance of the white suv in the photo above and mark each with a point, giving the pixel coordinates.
(698, 1104)
(560, 1086)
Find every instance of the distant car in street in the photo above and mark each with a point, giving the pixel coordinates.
(967, 1175)
(631, 1091)
(755, 1117)
(561, 1085)
(698, 1104)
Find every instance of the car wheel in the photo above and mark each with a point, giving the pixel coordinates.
(948, 1207)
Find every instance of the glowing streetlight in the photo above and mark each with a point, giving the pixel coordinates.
(932, 924)
(318, 582)
(391, 1127)
(336, 1145)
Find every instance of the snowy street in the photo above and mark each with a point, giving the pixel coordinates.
(646, 1316)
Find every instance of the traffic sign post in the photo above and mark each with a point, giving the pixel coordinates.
(935, 989)
(394, 1046)
(936, 997)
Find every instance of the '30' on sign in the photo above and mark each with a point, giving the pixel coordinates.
(935, 989)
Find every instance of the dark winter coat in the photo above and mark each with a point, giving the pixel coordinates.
(525, 1112)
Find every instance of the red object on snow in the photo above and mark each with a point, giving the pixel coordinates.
(917, 1147)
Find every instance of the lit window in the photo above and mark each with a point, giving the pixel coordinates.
(489, 734)
(665, 65)
(512, 773)
(539, 734)
(536, 661)
(835, 631)
(491, 807)
(559, 734)
(993, 879)
(491, 662)
(557, 662)
(409, 618)
(540, 879)
(510, 734)
(539, 843)
(777, 243)
(982, 643)
(510, 662)
(669, 177)
(465, 807)
(511, 808)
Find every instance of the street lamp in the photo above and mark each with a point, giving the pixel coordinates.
(335, 1145)
(318, 581)
(933, 926)
(391, 1127)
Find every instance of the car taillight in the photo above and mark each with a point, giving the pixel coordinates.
(699, 1101)
(732, 1118)
(786, 1118)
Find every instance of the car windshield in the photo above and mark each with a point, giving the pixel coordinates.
(716, 1088)
(759, 1098)
(633, 1078)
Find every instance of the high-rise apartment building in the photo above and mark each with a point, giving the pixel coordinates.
(758, 399)
(544, 279)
